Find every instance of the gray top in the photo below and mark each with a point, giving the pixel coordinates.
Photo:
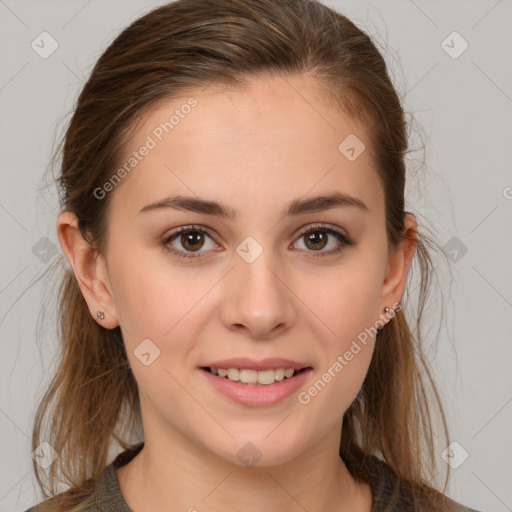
(388, 494)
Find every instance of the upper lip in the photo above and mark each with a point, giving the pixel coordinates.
(270, 363)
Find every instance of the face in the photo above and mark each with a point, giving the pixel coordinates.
(283, 276)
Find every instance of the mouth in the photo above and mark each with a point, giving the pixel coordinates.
(263, 384)
(251, 377)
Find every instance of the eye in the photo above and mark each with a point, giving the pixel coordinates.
(317, 237)
(190, 238)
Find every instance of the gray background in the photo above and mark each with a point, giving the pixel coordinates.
(463, 194)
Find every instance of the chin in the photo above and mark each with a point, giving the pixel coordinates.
(259, 450)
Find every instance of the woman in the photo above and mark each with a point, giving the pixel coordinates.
(233, 213)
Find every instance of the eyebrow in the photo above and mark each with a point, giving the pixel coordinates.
(295, 208)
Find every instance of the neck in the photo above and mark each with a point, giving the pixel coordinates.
(170, 473)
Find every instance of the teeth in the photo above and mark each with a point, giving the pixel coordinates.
(253, 377)
(279, 374)
(233, 374)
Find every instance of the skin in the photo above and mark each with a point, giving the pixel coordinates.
(256, 150)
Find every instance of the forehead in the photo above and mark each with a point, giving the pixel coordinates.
(271, 140)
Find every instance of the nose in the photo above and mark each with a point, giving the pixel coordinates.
(258, 299)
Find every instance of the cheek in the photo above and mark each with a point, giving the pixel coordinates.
(347, 307)
(152, 295)
(347, 349)
(348, 302)
(337, 385)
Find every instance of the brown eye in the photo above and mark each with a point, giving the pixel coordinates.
(187, 240)
(192, 240)
(316, 240)
(318, 237)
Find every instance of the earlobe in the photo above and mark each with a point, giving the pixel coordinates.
(89, 269)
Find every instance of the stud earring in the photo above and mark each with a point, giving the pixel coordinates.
(100, 315)
(398, 308)
(387, 311)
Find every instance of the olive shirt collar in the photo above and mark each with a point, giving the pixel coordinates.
(388, 496)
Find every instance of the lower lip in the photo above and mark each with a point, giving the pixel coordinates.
(257, 395)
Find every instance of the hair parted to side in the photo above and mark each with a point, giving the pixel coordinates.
(93, 400)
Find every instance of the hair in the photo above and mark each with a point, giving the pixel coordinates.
(93, 398)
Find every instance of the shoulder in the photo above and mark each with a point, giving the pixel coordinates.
(391, 494)
(103, 493)
(89, 505)
(458, 507)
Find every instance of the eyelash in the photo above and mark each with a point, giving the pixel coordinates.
(345, 241)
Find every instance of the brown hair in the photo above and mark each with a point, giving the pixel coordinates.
(93, 397)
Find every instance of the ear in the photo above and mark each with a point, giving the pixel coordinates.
(90, 270)
(399, 260)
